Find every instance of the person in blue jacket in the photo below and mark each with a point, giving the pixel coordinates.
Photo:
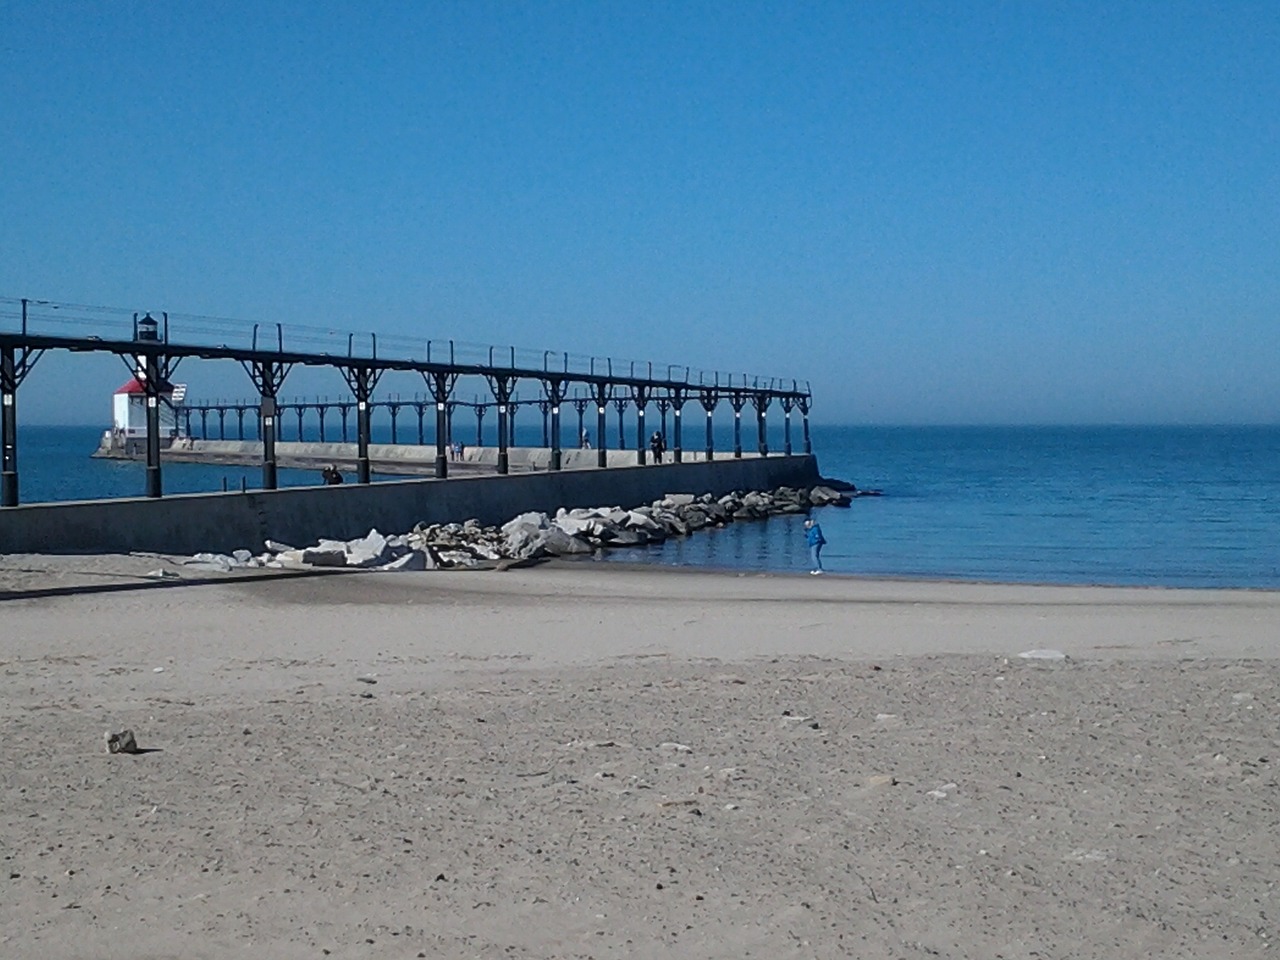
(814, 538)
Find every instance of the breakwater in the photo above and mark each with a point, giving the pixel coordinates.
(224, 522)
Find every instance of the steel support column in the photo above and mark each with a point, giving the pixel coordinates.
(9, 427)
(14, 367)
(268, 420)
(787, 404)
(394, 409)
(555, 396)
(580, 405)
(803, 404)
(620, 404)
(602, 408)
(440, 385)
(709, 400)
(737, 401)
(362, 380)
(268, 377)
(544, 408)
(151, 386)
(641, 395)
(502, 386)
(761, 401)
(678, 400)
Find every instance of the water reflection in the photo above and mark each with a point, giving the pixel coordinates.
(775, 544)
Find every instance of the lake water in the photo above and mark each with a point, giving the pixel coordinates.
(1169, 506)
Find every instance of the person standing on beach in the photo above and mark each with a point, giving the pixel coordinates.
(814, 538)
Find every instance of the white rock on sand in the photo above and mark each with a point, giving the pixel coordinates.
(1119, 804)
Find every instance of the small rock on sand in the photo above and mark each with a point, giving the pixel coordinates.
(122, 742)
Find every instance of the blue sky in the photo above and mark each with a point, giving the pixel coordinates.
(936, 213)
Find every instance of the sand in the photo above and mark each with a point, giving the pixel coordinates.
(592, 761)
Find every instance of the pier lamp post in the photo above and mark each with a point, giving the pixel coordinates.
(641, 397)
(442, 437)
(600, 390)
(154, 487)
(9, 427)
(267, 417)
(761, 401)
(678, 431)
(147, 330)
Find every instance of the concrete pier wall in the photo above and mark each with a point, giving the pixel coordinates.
(223, 522)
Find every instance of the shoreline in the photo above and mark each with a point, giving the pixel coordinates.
(129, 566)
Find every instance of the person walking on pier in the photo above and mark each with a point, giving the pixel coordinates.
(657, 445)
(816, 541)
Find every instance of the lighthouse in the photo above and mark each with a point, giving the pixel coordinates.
(129, 403)
(129, 411)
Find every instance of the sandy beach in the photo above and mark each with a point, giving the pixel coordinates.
(594, 761)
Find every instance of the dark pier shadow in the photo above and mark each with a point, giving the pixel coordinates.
(143, 583)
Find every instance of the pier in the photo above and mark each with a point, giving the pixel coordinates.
(153, 345)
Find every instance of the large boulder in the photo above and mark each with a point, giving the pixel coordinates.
(371, 550)
(525, 521)
(625, 537)
(577, 526)
(522, 534)
(671, 523)
(558, 543)
(695, 519)
(825, 496)
(334, 555)
(414, 560)
(641, 520)
(715, 511)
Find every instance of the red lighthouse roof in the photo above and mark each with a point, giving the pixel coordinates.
(135, 388)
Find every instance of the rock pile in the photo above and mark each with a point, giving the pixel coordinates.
(531, 536)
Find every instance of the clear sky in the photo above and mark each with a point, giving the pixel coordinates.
(980, 212)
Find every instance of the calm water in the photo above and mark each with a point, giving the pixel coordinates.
(1174, 506)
